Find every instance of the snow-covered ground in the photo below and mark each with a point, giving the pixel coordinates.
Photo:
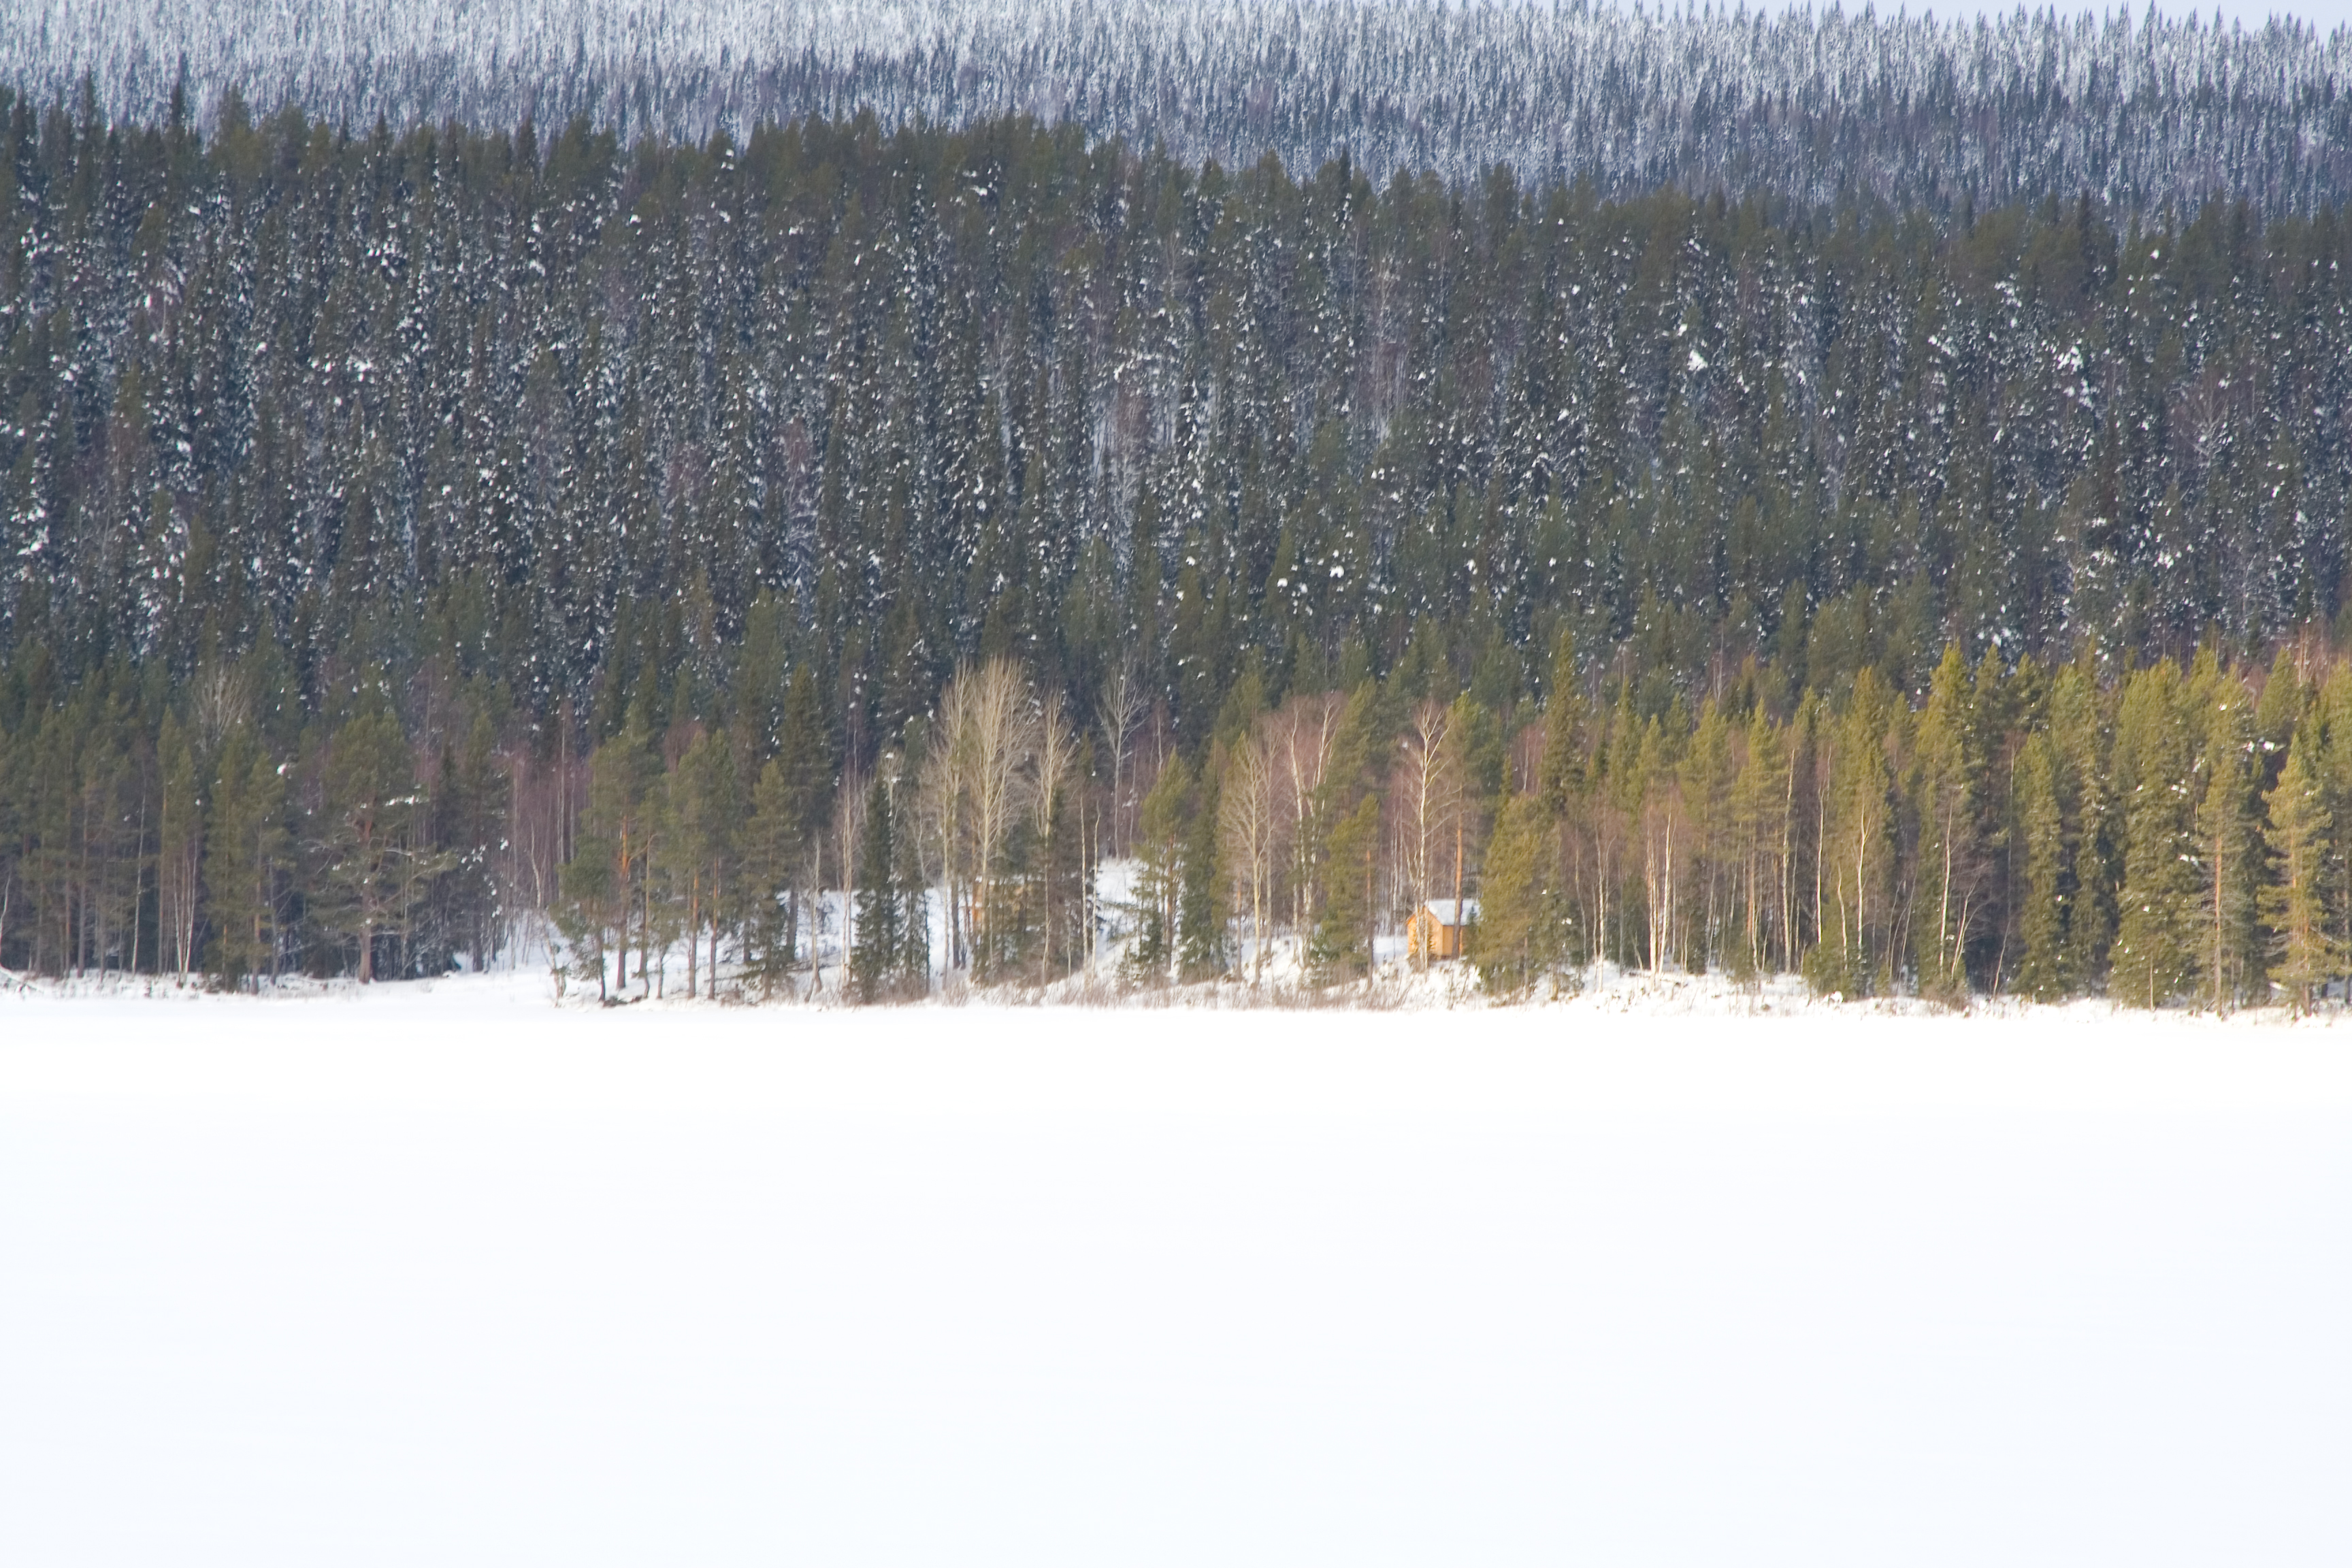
(449, 1275)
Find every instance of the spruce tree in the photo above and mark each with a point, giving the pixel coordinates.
(1203, 878)
(772, 845)
(2278, 712)
(1159, 845)
(1515, 936)
(878, 955)
(1568, 718)
(759, 683)
(1343, 944)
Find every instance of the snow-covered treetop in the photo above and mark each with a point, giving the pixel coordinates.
(1915, 111)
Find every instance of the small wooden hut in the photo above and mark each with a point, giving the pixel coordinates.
(1436, 928)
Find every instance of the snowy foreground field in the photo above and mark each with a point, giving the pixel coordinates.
(452, 1276)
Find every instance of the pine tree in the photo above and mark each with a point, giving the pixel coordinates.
(2299, 832)
(1858, 851)
(1947, 765)
(2079, 731)
(791, 803)
(601, 887)
(244, 860)
(179, 859)
(2155, 952)
(369, 792)
(2227, 842)
(2329, 758)
(472, 806)
(2043, 970)
(1761, 810)
(704, 815)
(1705, 780)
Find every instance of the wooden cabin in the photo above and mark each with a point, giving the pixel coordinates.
(1436, 929)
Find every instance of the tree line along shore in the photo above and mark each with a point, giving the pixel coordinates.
(2176, 836)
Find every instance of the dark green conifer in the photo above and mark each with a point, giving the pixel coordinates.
(2304, 945)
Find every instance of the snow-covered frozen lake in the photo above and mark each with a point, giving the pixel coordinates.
(452, 1277)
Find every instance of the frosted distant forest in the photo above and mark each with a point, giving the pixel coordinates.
(1853, 497)
(1812, 108)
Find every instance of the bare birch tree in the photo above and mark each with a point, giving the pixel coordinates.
(1304, 732)
(945, 786)
(1002, 737)
(848, 831)
(979, 783)
(1662, 815)
(1246, 808)
(1055, 752)
(1121, 703)
(1425, 784)
(179, 856)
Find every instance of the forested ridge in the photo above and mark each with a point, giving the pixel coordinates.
(413, 537)
(1819, 106)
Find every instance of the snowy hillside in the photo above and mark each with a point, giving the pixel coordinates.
(451, 1276)
(1915, 111)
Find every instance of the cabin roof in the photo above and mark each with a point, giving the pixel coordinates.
(1444, 912)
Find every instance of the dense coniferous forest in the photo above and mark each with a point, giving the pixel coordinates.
(419, 543)
(1819, 107)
